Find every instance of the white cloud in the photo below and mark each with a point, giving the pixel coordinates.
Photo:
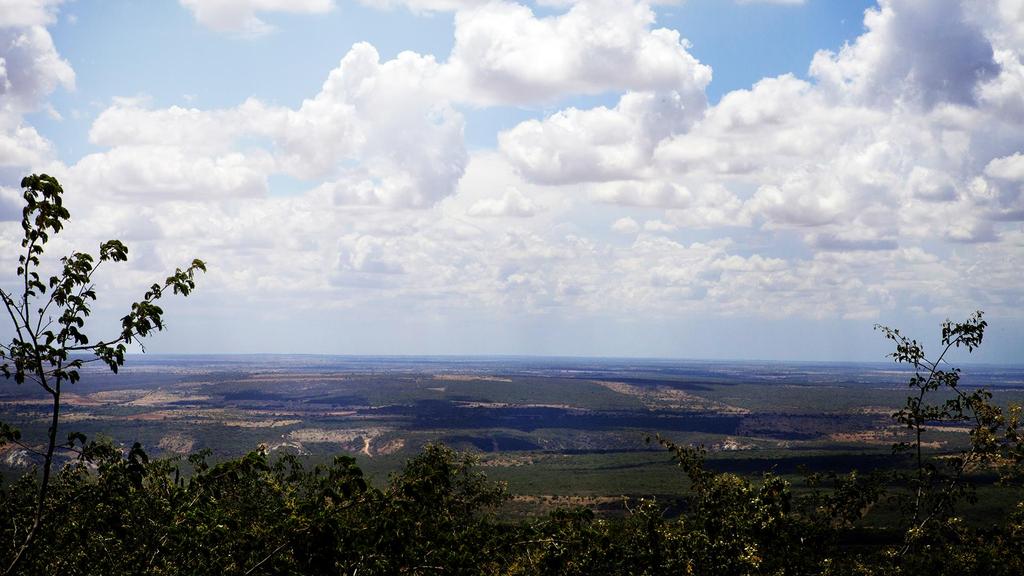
(152, 173)
(504, 53)
(26, 13)
(429, 6)
(129, 122)
(882, 146)
(511, 203)
(598, 144)
(21, 147)
(239, 16)
(706, 206)
(376, 133)
(625, 225)
(850, 239)
(765, 132)
(658, 226)
(802, 200)
(789, 184)
(391, 118)
(493, 61)
(931, 184)
(1003, 194)
(1004, 95)
(921, 52)
(368, 254)
(1007, 168)
(418, 6)
(649, 194)
(1002, 21)
(175, 153)
(30, 69)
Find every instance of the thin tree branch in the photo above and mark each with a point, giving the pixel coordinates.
(268, 557)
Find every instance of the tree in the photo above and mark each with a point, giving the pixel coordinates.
(49, 345)
(938, 483)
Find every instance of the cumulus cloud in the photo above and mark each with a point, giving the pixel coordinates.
(130, 122)
(649, 194)
(425, 5)
(170, 173)
(625, 225)
(764, 132)
(26, 13)
(175, 153)
(239, 16)
(802, 200)
(1007, 168)
(1003, 22)
(511, 203)
(923, 52)
(389, 116)
(886, 142)
(21, 146)
(387, 133)
(1003, 192)
(872, 185)
(1004, 94)
(30, 69)
(930, 184)
(368, 254)
(598, 144)
(706, 206)
(429, 6)
(853, 239)
(504, 53)
(658, 226)
(376, 133)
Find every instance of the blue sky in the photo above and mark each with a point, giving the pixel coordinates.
(708, 178)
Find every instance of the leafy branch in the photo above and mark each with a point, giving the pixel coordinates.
(994, 440)
(50, 345)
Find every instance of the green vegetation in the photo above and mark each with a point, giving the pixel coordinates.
(49, 347)
(115, 513)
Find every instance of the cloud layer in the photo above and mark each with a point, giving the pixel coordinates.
(888, 177)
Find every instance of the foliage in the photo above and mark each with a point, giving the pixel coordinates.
(127, 515)
(935, 538)
(49, 346)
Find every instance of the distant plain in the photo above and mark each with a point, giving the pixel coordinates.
(560, 431)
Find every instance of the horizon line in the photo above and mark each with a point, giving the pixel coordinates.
(500, 356)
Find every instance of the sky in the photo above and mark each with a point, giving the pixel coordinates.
(725, 179)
